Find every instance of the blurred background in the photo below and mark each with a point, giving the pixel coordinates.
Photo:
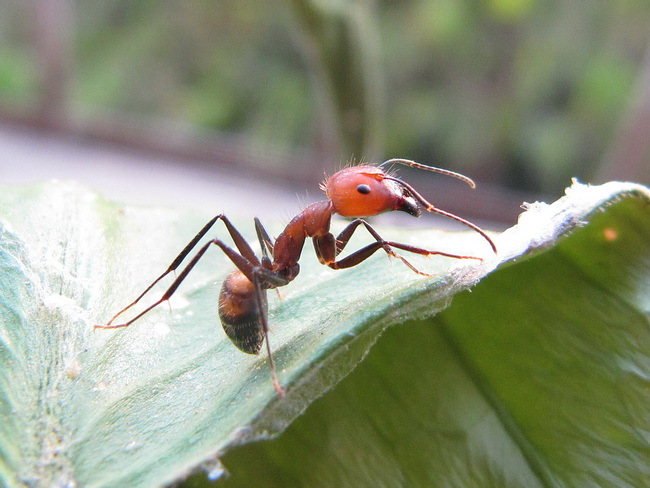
(267, 96)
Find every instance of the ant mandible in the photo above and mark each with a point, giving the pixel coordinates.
(357, 191)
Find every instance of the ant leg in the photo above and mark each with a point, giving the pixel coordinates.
(344, 237)
(237, 238)
(240, 261)
(346, 234)
(262, 306)
(265, 239)
(327, 247)
(266, 242)
(364, 253)
(253, 271)
(388, 250)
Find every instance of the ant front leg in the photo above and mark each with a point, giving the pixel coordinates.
(327, 249)
(346, 234)
(237, 238)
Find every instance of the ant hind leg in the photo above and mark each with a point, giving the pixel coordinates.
(242, 263)
(237, 238)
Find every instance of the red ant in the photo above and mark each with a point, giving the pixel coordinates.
(357, 191)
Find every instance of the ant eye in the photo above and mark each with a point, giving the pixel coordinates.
(363, 189)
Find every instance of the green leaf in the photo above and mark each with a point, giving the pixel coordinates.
(539, 376)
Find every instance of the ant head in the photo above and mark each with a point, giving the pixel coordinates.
(363, 191)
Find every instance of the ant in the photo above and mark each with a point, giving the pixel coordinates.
(356, 191)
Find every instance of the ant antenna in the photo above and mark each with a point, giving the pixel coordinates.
(434, 169)
(431, 208)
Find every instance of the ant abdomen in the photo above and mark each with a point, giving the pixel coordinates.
(240, 314)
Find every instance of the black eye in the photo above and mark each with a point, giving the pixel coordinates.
(363, 189)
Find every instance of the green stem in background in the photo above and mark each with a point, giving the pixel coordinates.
(341, 44)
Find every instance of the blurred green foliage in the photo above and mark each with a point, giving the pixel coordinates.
(222, 65)
(525, 93)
